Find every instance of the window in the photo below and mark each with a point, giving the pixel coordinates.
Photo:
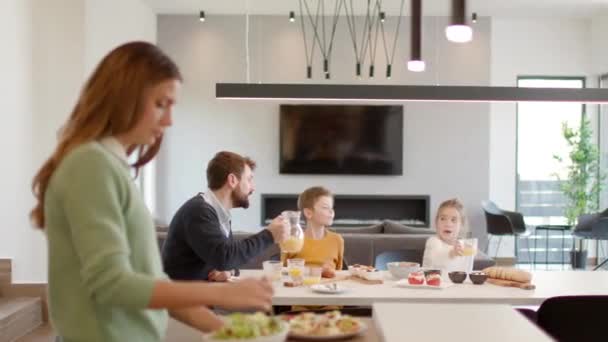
(539, 138)
(146, 183)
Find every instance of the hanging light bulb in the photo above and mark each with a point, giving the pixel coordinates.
(201, 16)
(474, 18)
(459, 31)
(292, 16)
(382, 17)
(416, 63)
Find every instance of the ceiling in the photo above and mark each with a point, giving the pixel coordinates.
(494, 8)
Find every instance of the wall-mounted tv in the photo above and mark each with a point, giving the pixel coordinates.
(341, 139)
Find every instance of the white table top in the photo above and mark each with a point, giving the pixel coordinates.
(453, 322)
(548, 284)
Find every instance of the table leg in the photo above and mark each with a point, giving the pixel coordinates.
(563, 245)
(546, 249)
(535, 238)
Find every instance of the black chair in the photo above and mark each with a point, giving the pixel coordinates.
(501, 222)
(574, 318)
(383, 258)
(593, 226)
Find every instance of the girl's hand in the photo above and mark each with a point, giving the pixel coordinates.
(457, 250)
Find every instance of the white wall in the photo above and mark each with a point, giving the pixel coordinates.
(48, 50)
(556, 47)
(445, 145)
(109, 23)
(15, 95)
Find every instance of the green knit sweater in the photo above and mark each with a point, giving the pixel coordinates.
(103, 254)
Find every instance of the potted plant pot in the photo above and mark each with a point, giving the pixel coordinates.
(578, 259)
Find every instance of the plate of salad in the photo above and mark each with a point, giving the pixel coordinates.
(256, 327)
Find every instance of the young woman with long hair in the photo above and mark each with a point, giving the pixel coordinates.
(105, 276)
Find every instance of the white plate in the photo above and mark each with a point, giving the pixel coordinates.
(331, 337)
(279, 337)
(325, 288)
(406, 284)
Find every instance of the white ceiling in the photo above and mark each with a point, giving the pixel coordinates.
(495, 8)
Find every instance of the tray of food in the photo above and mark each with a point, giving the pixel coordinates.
(428, 279)
(327, 326)
(366, 272)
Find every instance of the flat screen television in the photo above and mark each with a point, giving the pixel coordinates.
(341, 139)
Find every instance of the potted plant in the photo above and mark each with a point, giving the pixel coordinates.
(584, 180)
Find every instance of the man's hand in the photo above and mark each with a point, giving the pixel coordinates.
(279, 228)
(219, 276)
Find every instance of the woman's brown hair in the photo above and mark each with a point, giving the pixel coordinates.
(110, 103)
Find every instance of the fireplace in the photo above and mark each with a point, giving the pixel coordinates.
(359, 210)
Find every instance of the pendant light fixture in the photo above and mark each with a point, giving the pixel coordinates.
(292, 16)
(201, 16)
(459, 31)
(416, 63)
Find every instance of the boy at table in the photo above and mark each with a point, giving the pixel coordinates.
(322, 247)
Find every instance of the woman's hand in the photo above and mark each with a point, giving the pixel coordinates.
(248, 293)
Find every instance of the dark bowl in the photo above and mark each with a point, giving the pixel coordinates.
(478, 278)
(457, 277)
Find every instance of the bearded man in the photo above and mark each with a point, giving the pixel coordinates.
(199, 244)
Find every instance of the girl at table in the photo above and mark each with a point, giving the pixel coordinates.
(442, 251)
(105, 276)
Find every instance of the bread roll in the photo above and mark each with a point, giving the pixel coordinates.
(511, 274)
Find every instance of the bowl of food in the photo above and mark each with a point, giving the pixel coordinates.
(402, 269)
(256, 327)
(478, 277)
(457, 277)
(432, 277)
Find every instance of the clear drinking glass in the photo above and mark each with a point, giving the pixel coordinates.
(296, 269)
(469, 250)
(295, 240)
(312, 275)
(272, 269)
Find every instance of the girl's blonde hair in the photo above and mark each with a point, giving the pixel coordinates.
(456, 204)
(110, 103)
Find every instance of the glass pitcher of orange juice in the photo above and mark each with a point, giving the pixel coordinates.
(295, 241)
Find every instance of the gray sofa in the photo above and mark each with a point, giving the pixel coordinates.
(363, 244)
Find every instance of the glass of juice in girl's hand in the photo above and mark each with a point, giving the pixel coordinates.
(469, 247)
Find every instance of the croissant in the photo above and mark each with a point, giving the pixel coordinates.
(511, 274)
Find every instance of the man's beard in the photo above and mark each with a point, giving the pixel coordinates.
(239, 199)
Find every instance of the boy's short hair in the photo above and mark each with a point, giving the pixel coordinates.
(223, 164)
(309, 197)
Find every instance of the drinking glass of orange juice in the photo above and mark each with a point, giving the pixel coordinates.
(469, 247)
(296, 269)
(312, 275)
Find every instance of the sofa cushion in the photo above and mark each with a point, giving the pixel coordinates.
(374, 229)
(392, 227)
(358, 248)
